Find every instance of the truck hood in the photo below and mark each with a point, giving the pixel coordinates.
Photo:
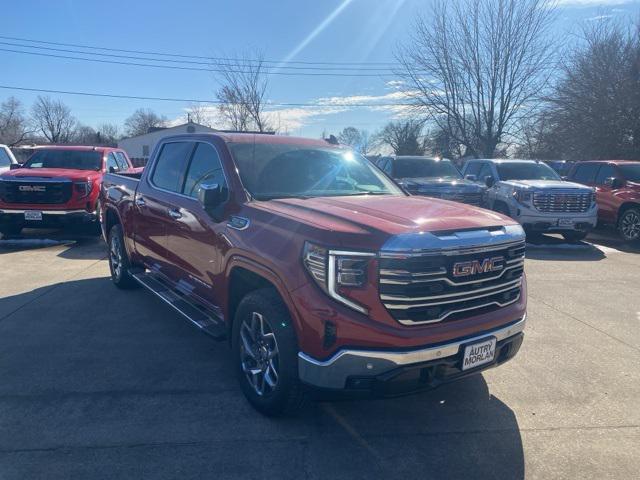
(436, 184)
(391, 215)
(62, 173)
(545, 184)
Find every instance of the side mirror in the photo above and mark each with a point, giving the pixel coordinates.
(614, 182)
(112, 170)
(15, 166)
(489, 181)
(471, 177)
(564, 178)
(210, 195)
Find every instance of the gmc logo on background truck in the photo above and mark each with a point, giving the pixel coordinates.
(474, 267)
(32, 188)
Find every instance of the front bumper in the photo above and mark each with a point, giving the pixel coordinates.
(402, 371)
(549, 222)
(50, 218)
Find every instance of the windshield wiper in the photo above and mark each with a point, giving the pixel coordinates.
(370, 192)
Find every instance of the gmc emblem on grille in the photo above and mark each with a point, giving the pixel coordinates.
(474, 267)
(32, 188)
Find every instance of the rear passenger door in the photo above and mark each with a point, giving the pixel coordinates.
(156, 205)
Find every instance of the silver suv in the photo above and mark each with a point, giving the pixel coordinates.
(534, 194)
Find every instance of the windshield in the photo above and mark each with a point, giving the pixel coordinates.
(5, 161)
(631, 172)
(526, 171)
(424, 167)
(287, 170)
(73, 159)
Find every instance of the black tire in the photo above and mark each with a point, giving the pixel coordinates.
(629, 224)
(7, 230)
(287, 394)
(119, 264)
(574, 237)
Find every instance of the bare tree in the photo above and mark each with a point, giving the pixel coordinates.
(142, 120)
(199, 113)
(476, 67)
(53, 119)
(595, 107)
(13, 123)
(403, 137)
(85, 135)
(243, 91)
(109, 134)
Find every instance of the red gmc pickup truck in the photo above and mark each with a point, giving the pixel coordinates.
(57, 186)
(322, 273)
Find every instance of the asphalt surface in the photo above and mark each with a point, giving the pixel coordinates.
(100, 383)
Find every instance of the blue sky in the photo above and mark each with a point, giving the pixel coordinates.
(298, 30)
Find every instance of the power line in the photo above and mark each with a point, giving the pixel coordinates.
(195, 100)
(177, 55)
(193, 62)
(175, 67)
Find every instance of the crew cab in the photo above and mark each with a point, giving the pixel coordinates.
(617, 185)
(57, 186)
(534, 194)
(6, 159)
(432, 177)
(322, 272)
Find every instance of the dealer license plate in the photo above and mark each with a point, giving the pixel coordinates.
(33, 215)
(479, 354)
(565, 222)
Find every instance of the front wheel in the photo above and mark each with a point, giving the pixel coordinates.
(574, 237)
(265, 353)
(629, 225)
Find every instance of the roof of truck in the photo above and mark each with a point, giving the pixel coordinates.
(261, 138)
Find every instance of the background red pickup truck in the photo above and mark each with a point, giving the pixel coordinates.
(57, 186)
(318, 267)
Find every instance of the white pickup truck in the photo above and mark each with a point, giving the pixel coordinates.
(534, 194)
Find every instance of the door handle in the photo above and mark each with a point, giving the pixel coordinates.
(140, 202)
(173, 213)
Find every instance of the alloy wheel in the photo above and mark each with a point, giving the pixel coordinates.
(259, 354)
(630, 225)
(115, 257)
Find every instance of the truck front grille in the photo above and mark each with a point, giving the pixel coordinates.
(35, 192)
(418, 289)
(468, 198)
(562, 202)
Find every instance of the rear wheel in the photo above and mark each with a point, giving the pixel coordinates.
(119, 260)
(265, 353)
(629, 224)
(573, 237)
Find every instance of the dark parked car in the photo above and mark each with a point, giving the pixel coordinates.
(431, 177)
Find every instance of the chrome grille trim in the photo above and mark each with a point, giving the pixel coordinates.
(562, 201)
(460, 310)
(511, 266)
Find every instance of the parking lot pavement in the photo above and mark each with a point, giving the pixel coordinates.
(100, 383)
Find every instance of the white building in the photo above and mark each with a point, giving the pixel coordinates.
(139, 148)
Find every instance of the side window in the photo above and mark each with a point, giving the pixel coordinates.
(171, 166)
(485, 171)
(122, 160)
(388, 167)
(605, 172)
(5, 161)
(112, 163)
(473, 168)
(586, 173)
(205, 168)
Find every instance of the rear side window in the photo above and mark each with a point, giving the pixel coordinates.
(171, 166)
(606, 171)
(586, 173)
(205, 168)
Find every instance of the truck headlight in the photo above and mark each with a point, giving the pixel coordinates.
(83, 188)
(332, 269)
(523, 196)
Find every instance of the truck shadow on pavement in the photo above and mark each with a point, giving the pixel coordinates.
(79, 245)
(95, 376)
(547, 247)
